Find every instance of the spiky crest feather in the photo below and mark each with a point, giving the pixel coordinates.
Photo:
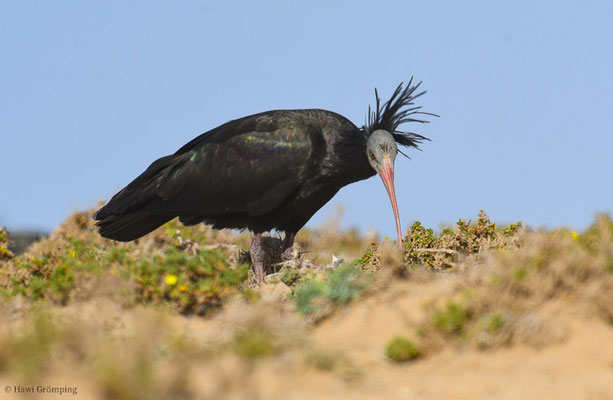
(393, 113)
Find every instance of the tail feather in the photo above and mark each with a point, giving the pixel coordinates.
(130, 226)
(129, 214)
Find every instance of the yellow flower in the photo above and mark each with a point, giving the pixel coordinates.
(575, 235)
(182, 288)
(171, 280)
(74, 254)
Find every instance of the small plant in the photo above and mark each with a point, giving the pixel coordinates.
(338, 287)
(608, 265)
(194, 283)
(400, 349)
(364, 259)
(423, 247)
(512, 229)
(495, 322)
(323, 360)
(368, 259)
(453, 319)
(332, 361)
(5, 253)
(419, 236)
(306, 293)
(290, 276)
(519, 274)
(345, 283)
(254, 342)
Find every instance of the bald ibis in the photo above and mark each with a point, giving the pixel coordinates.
(266, 171)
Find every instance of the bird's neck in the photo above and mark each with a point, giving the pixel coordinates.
(351, 153)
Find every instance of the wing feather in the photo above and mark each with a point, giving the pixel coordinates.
(252, 173)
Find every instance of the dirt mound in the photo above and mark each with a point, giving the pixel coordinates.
(490, 312)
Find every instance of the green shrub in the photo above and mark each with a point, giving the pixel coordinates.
(337, 287)
(254, 342)
(400, 349)
(193, 283)
(452, 319)
(495, 322)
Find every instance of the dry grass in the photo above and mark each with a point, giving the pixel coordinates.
(119, 320)
(499, 283)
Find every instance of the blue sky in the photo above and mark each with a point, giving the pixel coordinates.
(92, 92)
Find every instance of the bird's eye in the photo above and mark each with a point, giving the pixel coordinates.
(372, 155)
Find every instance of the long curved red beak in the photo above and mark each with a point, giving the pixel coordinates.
(387, 175)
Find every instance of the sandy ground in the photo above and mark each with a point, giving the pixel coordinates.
(561, 345)
(575, 363)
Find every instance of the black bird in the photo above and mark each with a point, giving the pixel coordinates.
(266, 171)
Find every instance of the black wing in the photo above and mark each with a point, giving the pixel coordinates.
(252, 172)
(247, 166)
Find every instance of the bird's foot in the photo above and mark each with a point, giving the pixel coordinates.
(292, 251)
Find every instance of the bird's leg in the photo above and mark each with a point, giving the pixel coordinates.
(257, 257)
(288, 247)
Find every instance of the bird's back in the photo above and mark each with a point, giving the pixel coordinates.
(302, 122)
(239, 175)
